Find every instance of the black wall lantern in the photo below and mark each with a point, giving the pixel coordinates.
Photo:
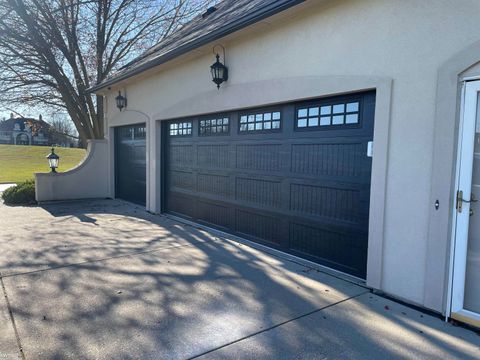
(121, 101)
(53, 160)
(218, 69)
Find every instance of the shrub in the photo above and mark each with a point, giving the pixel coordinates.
(21, 194)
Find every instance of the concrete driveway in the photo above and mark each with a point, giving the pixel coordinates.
(106, 280)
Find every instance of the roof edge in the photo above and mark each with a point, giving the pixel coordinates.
(234, 26)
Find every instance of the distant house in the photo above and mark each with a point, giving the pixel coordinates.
(18, 131)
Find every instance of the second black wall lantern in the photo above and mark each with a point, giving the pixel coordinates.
(218, 69)
(121, 101)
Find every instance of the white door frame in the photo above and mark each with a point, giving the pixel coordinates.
(460, 223)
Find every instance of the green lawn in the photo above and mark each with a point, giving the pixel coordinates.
(19, 163)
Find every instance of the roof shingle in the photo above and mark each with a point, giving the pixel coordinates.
(230, 16)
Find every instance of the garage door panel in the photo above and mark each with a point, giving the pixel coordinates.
(259, 157)
(327, 202)
(259, 191)
(180, 204)
(327, 159)
(335, 249)
(181, 179)
(302, 190)
(214, 184)
(213, 214)
(261, 226)
(181, 155)
(213, 156)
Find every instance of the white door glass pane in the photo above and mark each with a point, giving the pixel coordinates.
(472, 275)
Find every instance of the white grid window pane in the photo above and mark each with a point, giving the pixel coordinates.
(183, 128)
(313, 111)
(351, 119)
(337, 120)
(260, 122)
(302, 113)
(352, 107)
(313, 121)
(338, 109)
(325, 120)
(214, 126)
(325, 110)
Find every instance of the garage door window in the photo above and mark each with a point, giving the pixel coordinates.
(181, 129)
(316, 116)
(214, 126)
(264, 121)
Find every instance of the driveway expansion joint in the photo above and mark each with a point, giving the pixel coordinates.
(277, 325)
(12, 319)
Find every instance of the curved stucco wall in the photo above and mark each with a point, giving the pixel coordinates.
(90, 179)
(404, 42)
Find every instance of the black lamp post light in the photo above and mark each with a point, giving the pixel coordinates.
(53, 160)
(218, 69)
(121, 101)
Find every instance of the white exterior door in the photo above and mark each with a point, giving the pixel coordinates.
(465, 301)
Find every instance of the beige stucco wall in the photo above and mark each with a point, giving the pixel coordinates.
(327, 47)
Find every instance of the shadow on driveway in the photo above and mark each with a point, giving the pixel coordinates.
(106, 280)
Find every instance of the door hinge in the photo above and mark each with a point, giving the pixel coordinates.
(459, 201)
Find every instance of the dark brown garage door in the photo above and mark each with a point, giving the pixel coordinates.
(294, 176)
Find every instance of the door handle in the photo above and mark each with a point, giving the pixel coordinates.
(461, 200)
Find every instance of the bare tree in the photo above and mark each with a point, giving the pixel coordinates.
(61, 129)
(52, 51)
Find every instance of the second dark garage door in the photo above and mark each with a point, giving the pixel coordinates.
(294, 176)
(130, 163)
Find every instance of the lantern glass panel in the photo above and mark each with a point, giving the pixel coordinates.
(53, 163)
